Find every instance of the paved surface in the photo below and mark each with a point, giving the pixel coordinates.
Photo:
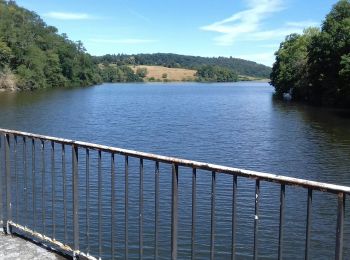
(13, 248)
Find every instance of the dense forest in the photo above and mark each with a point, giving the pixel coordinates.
(240, 66)
(33, 55)
(216, 74)
(314, 67)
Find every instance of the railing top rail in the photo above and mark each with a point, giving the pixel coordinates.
(324, 187)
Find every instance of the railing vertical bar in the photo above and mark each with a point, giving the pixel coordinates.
(141, 211)
(113, 201)
(25, 182)
(234, 217)
(64, 192)
(99, 203)
(156, 215)
(33, 184)
(75, 200)
(256, 219)
(43, 216)
(194, 206)
(16, 174)
(53, 184)
(212, 218)
(87, 200)
(308, 224)
(126, 205)
(174, 210)
(8, 184)
(340, 227)
(281, 223)
(1, 185)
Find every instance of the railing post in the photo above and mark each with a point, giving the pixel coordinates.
(174, 198)
(8, 215)
(194, 203)
(281, 227)
(1, 188)
(234, 217)
(308, 224)
(212, 216)
(75, 201)
(256, 219)
(156, 213)
(340, 227)
(141, 211)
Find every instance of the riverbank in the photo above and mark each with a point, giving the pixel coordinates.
(166, 74)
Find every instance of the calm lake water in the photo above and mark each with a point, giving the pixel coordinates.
(233, 124)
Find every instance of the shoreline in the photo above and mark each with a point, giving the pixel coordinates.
(14, 90)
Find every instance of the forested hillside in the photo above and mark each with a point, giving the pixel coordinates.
(240, 66)
(315, 67)
(33, 55)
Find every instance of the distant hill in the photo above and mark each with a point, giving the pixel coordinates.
(33, 55)
(240, 66)
(161, 73)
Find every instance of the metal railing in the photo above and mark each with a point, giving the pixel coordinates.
(12, 193)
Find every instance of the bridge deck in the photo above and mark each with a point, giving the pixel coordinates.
(14, 248)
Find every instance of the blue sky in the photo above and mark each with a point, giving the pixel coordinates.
(249, 29)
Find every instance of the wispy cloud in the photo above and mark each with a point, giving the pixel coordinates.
(139, 15)
(303, 24)
(266, 58)
(244, 22)
(68, 16)
(248, 24)
(123, 41)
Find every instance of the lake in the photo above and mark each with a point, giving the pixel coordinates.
(233, 124)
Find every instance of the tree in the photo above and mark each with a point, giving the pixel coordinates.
(289, 72)
(141, 72)
(328, 58)
(5, 55)
(315, 66)
(216, 74)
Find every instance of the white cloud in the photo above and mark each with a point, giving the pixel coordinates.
(302, 24)
(123, 41)
(244, 22)
(247, 25)
(68, 16)
(139, 15)
(266, 58)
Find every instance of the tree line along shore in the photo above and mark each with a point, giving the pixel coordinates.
(314, 67)
(33, 56)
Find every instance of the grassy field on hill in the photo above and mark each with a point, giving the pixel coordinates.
(158, 73)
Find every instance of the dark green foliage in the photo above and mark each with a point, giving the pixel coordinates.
(289, 72)
(240, 66)
(216, 74)
(141, 72)
(38, 56)
(113, 74)
(315, 66)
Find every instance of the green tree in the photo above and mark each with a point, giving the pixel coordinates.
(216, 74)
(315, 66)
(5, 55)
(141, 72)
(290, 72)
(328, 59)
